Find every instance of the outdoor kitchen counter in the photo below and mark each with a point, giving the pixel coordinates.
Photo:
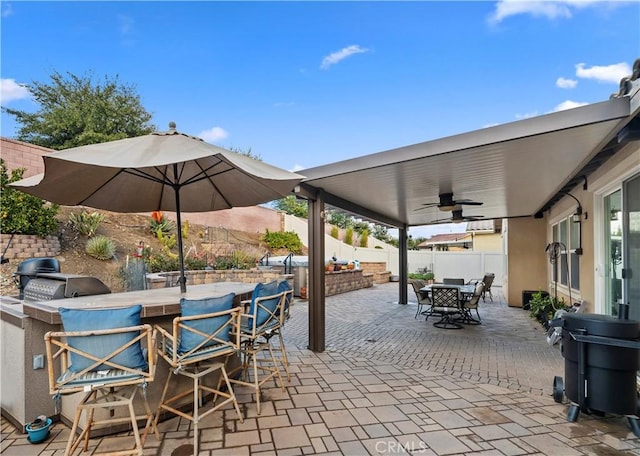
(25, 387)
(158, 302)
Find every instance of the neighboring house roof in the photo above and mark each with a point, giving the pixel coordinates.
(480, 226)
(452, 238)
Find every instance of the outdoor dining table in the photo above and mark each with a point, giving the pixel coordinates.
(466, 290)
(451, 316)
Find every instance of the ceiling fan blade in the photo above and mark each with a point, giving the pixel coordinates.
(447, 203)
(469, 202)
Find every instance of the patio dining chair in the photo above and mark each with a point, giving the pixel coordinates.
(452, 281)
(421, 296)
(472, 304)
(258, 325)
(488, 281)
(200, 342)
(100, 352)
(446, 303)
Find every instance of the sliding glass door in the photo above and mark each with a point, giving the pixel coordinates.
(613, 251)
(631, 246)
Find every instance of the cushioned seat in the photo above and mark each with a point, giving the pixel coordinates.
(206, 334)
(259, 325)
(100, 352)
(421, 296)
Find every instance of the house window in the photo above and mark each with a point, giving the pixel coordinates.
(566, 270)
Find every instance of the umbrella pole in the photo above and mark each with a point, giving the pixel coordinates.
(182, 280)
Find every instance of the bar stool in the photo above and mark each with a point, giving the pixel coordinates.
(202, 338)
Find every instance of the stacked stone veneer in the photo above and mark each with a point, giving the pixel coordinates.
(29, 246)
(378, 269)
(170, 279)
(335, 282)
(344, 281)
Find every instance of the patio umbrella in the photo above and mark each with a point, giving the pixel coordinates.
(164, 171)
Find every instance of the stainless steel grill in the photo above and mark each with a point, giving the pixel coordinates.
(48, 286)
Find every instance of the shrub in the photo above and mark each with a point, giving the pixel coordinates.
(239, 259)
(21, 213)
(335, 232)
(543, 307)
(243, 260)
(86, 223)
(364, 238)
(185, 229)
(348, 237)
(165, 225)
(167, 241)
(421, 276)
(101, 247)
(223, 262)
(196, 262)
(282, 240)
(162, 262)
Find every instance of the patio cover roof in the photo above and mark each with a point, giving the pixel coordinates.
(515, 169)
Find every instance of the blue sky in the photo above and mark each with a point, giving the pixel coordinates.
(304, 84)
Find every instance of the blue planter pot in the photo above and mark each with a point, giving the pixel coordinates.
(38, 430)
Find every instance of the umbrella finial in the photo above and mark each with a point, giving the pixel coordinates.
(172, 126)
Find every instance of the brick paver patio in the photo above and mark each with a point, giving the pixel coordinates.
(392, 384)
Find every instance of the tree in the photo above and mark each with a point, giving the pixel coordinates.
(340, 219)
(247, 153)
(292, 206)
(75, 111)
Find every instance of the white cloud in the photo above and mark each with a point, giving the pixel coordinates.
(547, 9)
(296, 168)
(609, 73)
(284, 104)
(342, 54)
(125, 24)
(10, 90)
(568, 105)
(526, 115)
(213, 134)
(565, 83)
(7, 9)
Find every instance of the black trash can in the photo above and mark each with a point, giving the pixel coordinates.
(605, 379)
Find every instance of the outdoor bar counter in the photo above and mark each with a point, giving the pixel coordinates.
(25, 384)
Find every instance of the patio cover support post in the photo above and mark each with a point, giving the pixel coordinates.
(403, 266)
(316, 272)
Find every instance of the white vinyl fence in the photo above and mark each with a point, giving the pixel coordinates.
(467, 264)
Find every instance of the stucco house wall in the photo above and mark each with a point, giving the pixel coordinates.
(526, 260)
(624, 164)
(487, 242)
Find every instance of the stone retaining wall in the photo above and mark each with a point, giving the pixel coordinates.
(169, 279)
(346, 280)
(335, 282)
(378, 269)
(24, 246)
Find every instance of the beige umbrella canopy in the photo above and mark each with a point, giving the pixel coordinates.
(167, 171)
